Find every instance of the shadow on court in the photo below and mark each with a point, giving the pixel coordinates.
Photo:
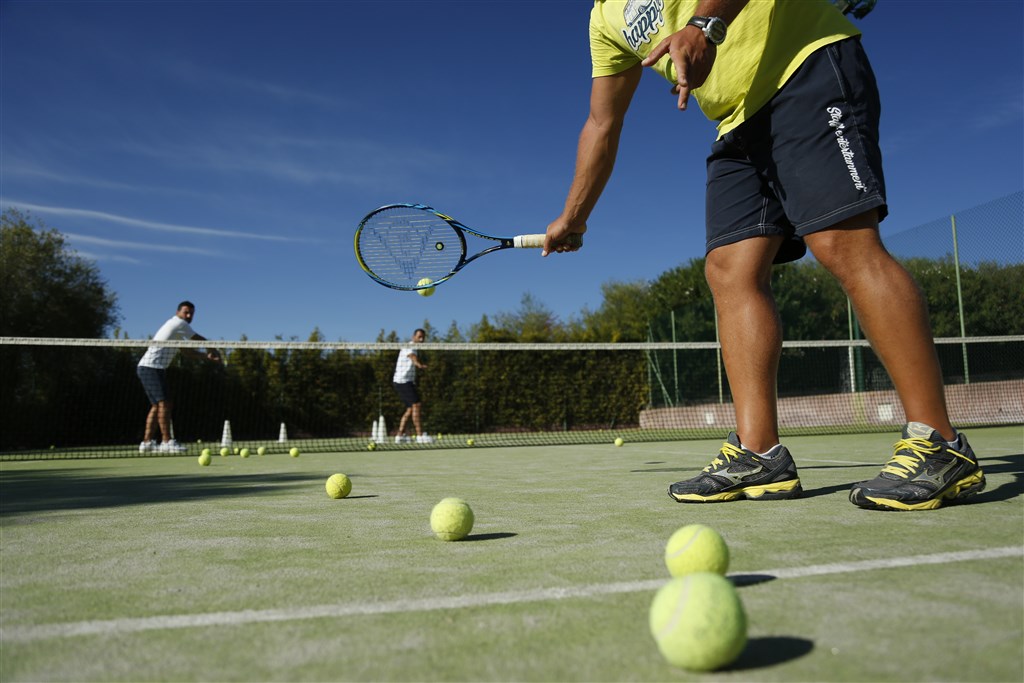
(49, 490)
(771, 651)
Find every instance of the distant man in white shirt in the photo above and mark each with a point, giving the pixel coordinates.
(152, 372)
(405, 386)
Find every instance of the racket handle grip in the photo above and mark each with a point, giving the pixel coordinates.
(537, 241)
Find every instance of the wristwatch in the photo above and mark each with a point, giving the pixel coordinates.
(713, 28)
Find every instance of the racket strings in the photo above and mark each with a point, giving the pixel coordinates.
(403, 246)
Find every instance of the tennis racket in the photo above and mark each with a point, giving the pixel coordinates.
(400, 245)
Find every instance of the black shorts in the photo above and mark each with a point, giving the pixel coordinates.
(805, 161)
(408, 393)
(154, 381)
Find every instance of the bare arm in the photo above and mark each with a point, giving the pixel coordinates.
(691, 53)
(595, 155)
(212, 354)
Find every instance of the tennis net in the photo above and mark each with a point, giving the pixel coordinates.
(80, 398)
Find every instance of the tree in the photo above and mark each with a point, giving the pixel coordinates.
(46, 289)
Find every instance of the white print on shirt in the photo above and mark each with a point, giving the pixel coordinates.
(643, 18)
(836, 123)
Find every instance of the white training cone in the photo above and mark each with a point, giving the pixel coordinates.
(225, 438)
(382, 430)
(283, 436)
(373, 431)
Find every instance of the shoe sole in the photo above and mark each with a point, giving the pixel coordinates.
(968, 486)
(779, 490)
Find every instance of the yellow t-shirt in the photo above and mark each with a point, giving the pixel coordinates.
(765, 45)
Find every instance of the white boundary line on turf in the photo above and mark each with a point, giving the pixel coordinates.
(107, 627)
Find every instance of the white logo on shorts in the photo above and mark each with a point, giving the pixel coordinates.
(836, 123)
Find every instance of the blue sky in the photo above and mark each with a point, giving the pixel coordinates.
(224, 152)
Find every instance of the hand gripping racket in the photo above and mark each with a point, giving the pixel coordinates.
(399, 245)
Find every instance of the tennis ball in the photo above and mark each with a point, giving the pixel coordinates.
(338, 486)
(372, 446)
(262, 450)
(206, 451)
(470, 442)
(236, 450)
(619, 441)
(698, 622)
(696, 548)
(204, 457)
(294, 452)
(429, 291)
(451, 519)
(225, 451)
(244, 452)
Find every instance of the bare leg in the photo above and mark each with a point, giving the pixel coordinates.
(892, 311)
(751, 334)
(164, 418)
(151, 422)
(405, 418)
(416, 407)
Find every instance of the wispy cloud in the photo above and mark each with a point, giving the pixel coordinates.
(194, 75)
(145, 224)
(139, 246)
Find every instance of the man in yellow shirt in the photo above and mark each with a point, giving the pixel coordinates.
(796, 165)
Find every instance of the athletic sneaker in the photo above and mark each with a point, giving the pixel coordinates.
(924, 471)
(740, 473)
(424, 438)
(401, 438)
(147, 446)
(171, 446)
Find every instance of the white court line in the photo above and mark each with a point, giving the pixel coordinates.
(26, 634)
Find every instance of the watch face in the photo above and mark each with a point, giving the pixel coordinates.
(715, 30)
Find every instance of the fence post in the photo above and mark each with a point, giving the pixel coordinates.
(960, 299)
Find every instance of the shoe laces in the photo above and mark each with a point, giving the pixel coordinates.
(908, 455)
(728, 452)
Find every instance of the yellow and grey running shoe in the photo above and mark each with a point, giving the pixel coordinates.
(739, 473)
(923, 472)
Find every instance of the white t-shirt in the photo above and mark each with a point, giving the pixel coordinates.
(405, 369)
(161, 356)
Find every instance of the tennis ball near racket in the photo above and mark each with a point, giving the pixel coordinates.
(338, 486)
(294, 452)
(244, 452)
(225, 451)
(619, 441)
(262, 450)
(696, 548)
(429, 291)
(204, 457)
(451, 519)
(698, 622)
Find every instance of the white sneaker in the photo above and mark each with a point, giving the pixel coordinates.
(424, 438)
(147, 446)
(401, 438)
(171, 446)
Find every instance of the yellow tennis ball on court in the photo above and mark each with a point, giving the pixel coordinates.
(262, 450)
(451, 519)
(470, 442)
(696, 548)
(225, 451)
(372, 446)
(244, 452)
(698, 622)
(429, 291)
(338, 486)
(619, 441)
(204, 457)
(294, 452)
(206, 451)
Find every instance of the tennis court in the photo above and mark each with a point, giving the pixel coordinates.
(149, 569)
